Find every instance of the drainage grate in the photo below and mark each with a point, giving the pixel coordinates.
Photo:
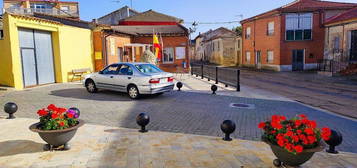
(242, 105)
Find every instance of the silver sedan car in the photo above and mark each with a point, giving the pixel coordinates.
(133, 78)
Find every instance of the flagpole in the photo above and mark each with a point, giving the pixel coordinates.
(162, 47)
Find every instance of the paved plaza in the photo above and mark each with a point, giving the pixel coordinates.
(96, 146)
(194, 110)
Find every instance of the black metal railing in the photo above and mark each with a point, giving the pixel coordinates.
(227, 76)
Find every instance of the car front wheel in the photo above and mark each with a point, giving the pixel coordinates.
(91, 88)
(133, 92)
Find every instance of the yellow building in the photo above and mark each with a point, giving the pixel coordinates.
(37, 51)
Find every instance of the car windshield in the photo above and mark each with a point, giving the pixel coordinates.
(148, 68)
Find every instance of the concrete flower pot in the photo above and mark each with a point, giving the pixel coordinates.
(56, 138)
(289, 159)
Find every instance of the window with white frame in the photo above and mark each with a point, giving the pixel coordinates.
(247, 33)
(180, 52)
(270, 56)
(247, 57)
(270, 29)
(299, 26)
(168, 56)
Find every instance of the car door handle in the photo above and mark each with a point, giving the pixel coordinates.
(111, 76)
(129, 77)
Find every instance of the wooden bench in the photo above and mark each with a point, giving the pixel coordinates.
(79, 72)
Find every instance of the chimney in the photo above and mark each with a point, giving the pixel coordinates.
(94, 21)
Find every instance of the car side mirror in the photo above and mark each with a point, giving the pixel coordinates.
(100, 72)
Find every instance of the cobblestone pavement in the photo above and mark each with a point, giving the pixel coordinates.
(96, 146)
(338, 94)
(185, 112)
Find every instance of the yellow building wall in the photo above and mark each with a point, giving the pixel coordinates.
(6, 75)
(72, 48)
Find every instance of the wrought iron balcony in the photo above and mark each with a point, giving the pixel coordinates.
(53, 11)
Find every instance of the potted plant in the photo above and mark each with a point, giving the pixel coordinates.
(57, 126)
(293, 141)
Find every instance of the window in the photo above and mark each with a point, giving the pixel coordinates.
(1, 34)
(168, 55)
(298, 26)
(336, 43)
(180, 52)
(247, 57)
(125, 70)
(247, 33)
(270, 57)
(270, 29)
(65, 8)
(148, 68)
(112, 69)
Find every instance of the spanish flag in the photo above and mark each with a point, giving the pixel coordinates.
(157, 47)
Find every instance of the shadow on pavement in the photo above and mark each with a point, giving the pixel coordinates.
(101, 95)
(15, 147)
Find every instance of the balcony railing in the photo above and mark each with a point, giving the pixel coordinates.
(53, 11)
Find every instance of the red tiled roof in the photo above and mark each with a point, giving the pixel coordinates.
(57, 1)
(308, 5)
(305, 6)
(344, 16)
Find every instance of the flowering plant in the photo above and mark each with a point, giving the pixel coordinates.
(57, 118)
(293, 135)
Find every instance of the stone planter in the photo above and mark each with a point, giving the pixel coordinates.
(57, 138)
(288, 159)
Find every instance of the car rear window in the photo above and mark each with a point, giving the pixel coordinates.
(148, 68)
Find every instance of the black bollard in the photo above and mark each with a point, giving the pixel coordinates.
(214, 88)
(335, 140)
(143, 120)
(179, 85)
(228, 127)
(10, 108)
(76, 110)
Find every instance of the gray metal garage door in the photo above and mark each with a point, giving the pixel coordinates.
(37, 57)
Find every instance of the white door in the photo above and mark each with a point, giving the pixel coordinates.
(105, 77)
(124, 77)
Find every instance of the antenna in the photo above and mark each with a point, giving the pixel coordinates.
(131, 3)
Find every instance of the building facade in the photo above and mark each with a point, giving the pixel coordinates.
(68, 9)
(127, 41)
(37, 51)
(113, 18)
(340, 55)
(289, 38)
(221, 46)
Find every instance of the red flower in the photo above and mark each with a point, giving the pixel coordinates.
(54, 116)
(312, 124)
(42, 112)
(303, 116)
(61, 110)
(61, 123)
(295, 138)
(297, 123)
(311, 139)
(261, 125)
(298, 148)
(309, 131)
(326, 134)
(52, 107)
(69, 115)
(281, 142)
(289, 133)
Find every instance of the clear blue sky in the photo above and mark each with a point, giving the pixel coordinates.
(189, 10)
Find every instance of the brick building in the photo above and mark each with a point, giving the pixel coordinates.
(127, 41)
(67, 9)
(289, 38)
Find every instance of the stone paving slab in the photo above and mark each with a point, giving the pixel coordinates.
(108, 147)
(192, 111)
